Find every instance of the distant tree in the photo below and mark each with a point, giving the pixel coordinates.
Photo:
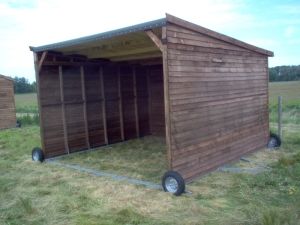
(22, 85)
(284, 73)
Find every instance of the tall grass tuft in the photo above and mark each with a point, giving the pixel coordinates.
(26, 205)
(28, 119)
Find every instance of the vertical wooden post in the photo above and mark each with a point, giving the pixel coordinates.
(38, 90)
(135, 103)
(61, 86)
(280, 116)
(120, 105)
(103, 105)
(86, 129)
(149, 100)
(166, 99)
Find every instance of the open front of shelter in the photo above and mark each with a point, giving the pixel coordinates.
(205, 92)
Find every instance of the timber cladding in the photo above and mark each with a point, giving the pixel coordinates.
(205, 92)
(94, 105)
(218, 95)
(7, 103)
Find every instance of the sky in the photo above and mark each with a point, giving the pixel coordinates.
(273, 25)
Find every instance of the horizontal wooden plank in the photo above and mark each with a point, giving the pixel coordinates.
(216, 69)
(215, 111)
(180, 55)
(191, 139)
(217, 162)
(185, 41)
(179, 109)
(183, 136)
(216, 98)
(215, 93)
(175, 92)
(189, 49)
(240, 137)
(213, 158)
(213, 64)
(207, 85)
(208, 141)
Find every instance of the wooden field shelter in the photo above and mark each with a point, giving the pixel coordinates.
(205, 92)
(7, 103)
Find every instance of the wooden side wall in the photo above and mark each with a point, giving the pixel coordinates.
(218, 101)
(7, 104)
(88, 105)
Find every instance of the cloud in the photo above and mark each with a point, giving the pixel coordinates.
(289, 31)
(39, 22)
(291, 9)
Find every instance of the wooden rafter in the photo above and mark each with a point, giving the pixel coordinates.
(155, 39)
(40, 63)
(149, 55)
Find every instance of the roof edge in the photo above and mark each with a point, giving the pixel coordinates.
(214, 34)
(6, 77)
(104, 35)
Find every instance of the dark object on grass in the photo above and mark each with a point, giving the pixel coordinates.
(18, 124)
(274, 141)
(173, 182)
(37, 154)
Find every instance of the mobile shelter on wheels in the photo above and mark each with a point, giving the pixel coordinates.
(7, 103)
(207, 93)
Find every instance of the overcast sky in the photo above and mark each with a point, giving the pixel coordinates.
(273, 25)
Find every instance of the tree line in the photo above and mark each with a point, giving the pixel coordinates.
(284, 73)
(277, 73)
(22, 85)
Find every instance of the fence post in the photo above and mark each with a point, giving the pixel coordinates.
(280, 116)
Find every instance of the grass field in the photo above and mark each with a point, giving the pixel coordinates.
(124, 158)
(290, 92)
(27, 109)
(33, 193)
(26, 103)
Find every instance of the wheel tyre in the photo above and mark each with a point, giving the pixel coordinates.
(274, 141)
(18, 124)
(37, 155)
(173, 182)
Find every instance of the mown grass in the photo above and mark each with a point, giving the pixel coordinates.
(27, 109)
(26, 103)
(148, 154)
(290, 92)
(34, 193)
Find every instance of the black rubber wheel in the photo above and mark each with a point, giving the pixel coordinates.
(274, 141)
(37, 155)
(18, 124)
(173, 182)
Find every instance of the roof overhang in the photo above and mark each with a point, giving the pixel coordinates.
(133, 42)
(117, 45)
(6, 77)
